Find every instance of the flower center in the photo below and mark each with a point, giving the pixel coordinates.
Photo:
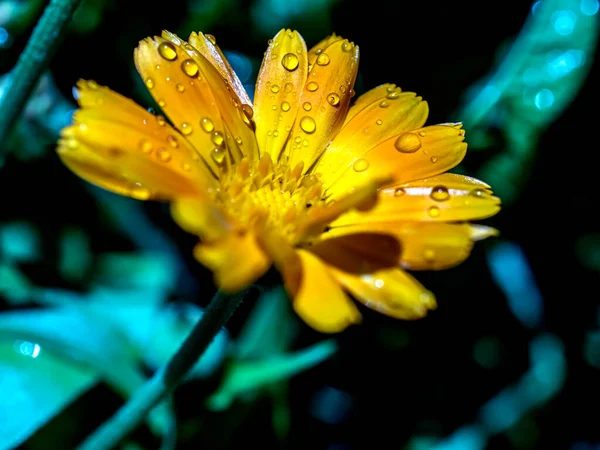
(267, 195)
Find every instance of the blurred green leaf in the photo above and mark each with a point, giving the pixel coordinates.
(19, 242)
(35, 386)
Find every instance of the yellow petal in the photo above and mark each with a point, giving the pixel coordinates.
(232, 273)
(325, 99)
(413, 155)
(207, 47)
(314, 52)
(317, 297)
(420, 201)
(192, 93)
(279, 87)
(423, 246)
(392, 292)
(200, 217)
(387, 112)
(121, 147)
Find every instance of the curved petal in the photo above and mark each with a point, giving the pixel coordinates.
(413, 155)
(325, 99)
(392, 292)
(359, 252)
(420, 201)
(192, 93)
(424, 245)
(279, 87)
(386, 112)
(207, 47)
(317, 297)
(222, 257)
(121, 147)
(199, 217)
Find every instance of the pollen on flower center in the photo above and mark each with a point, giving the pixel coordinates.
(269, 195)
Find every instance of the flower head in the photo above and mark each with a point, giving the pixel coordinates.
(341, 199)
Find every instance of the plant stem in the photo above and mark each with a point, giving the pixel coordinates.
(126, 419)
(38, 52)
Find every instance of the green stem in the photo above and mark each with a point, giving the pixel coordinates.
(126, 419)
(42, 44)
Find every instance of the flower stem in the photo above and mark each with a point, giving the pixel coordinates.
(40, 48)
(126, 419)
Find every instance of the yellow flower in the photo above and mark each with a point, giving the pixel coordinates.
(340, 199)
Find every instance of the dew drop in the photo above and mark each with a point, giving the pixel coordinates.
(393, 95)
(290, 62)
(379, 122)
(172, 141)
(186, 129)
(308, 124)
(190, 68)
(422, 133)
(433, 159)
(218, 155)
(429, 254)
(297, 139)
(207, 125)
(180, 88)
(477, 193)
(399, 192)
(162, 103)
(433, 211)
(275, 133)
(360, 165)
(333, 99)
(217, 138)
(285, 106)
(149, 83)
(274, 107)
(140, 193)
(440, 194)
(161, 121)
(238, 140)
(163, 155)
(323, 59)
(211, 38)
(167, 51)
(186, 167)
(407, 143)
(312, 86)
(347, 46)
(248, 111)
(274, 89)
(384, 104)
(288, 87)
(306, 106)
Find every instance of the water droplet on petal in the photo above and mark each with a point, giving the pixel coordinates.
(207, 125)
(384, 104)
(145, 146)
(218, 155)
(393, 95)
(285, 106)
(290, 62)
(172, 141)
(180, 88)
(333, 99)
(407, 143)
(399, 192)
(323, 59)
(477, 192)
(217, 138)
(347, 46)
(167, 51)
(211, 38)
(306, 106)
(162, 103)
(190, 68)
(433, 159)
(274, 88)
(433, 211)
(186, 167)
(297, 139)
(248, 111)
(161, 121)
(149, 83)
(440, 194)
(163, 155)
(308, 124)
(360, 165)
(312, 86)
(379, 122)
(186, 129)
(422, 133)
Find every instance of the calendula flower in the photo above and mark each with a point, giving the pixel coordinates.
(340, 199)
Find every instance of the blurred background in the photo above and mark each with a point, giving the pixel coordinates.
(97, 291)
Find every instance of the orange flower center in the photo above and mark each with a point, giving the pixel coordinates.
(268, 195)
